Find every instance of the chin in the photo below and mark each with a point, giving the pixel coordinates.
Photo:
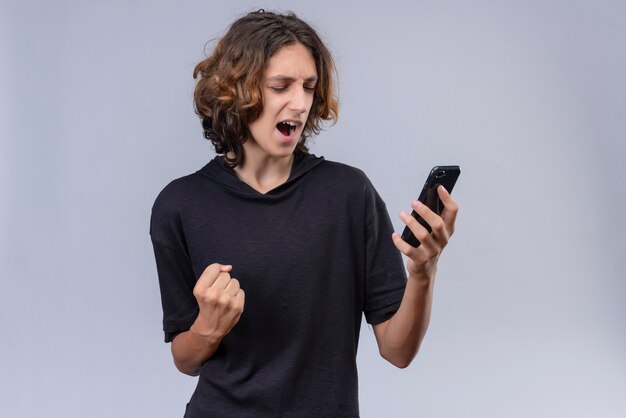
(285, 151)
(284, 154)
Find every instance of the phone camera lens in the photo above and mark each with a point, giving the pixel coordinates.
(440, 174)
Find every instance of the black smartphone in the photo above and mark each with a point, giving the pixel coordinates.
(439, 176)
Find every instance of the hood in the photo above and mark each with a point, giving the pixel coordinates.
(225, 176)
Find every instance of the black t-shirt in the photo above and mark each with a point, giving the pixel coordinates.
(312, 256)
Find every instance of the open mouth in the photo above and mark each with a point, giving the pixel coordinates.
(286, 128)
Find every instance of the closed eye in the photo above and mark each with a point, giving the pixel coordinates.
(309, 88)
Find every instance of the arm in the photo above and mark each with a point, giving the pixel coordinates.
(399, 337)
(221, 301)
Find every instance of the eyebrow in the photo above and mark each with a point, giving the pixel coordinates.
(290, 79)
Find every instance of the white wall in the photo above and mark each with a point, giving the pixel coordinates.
(528, 97)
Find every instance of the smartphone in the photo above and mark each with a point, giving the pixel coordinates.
(445, 176)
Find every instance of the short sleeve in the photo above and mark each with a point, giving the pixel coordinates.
(385, 276)
(174, 268)
(176, 281)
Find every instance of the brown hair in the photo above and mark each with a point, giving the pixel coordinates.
(228, 93)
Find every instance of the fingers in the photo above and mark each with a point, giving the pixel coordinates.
(439, 233)
(442, 227)
(222, 281)
(419, 230)
(436, 223)
(429, 245)
(227, 292)
(232, 288)
(225, 284)
(450, 211)
(240, 301)
(402, 246)
(211, 273)
(224, 295)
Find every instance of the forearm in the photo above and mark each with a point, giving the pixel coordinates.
(402, 335)
(191, 349)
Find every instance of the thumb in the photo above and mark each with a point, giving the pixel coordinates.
(211, 273)
(225, 268)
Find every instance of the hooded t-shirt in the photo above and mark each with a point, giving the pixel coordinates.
(312, 256)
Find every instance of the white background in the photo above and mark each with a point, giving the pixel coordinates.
(529, 98)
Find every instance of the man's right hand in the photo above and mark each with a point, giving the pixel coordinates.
(220, 300)
(221, 303)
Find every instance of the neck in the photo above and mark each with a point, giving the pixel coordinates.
(262, 172)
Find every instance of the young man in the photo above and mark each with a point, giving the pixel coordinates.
(309, 241)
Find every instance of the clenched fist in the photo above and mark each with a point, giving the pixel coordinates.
(220, 300)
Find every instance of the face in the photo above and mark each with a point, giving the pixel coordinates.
(288, 87)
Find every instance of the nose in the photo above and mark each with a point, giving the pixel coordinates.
(298, 100)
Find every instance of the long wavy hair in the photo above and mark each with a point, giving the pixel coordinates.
(228, 94)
